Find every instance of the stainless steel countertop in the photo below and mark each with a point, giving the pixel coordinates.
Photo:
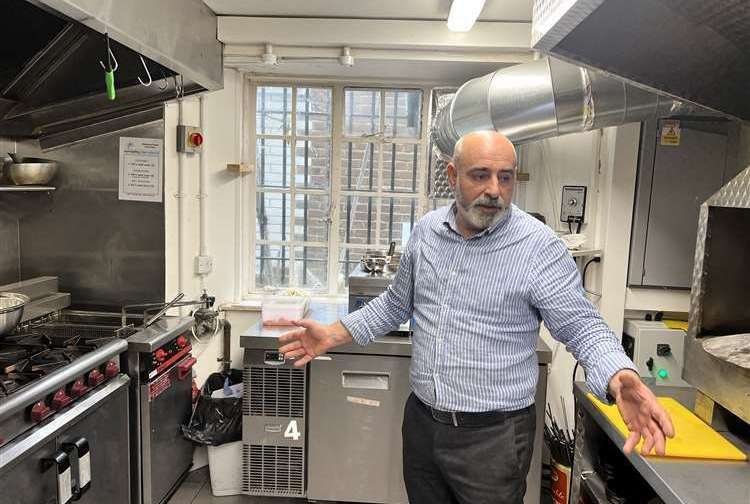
(326, 313)
(681, 481)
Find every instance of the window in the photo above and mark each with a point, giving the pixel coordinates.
(369, 155)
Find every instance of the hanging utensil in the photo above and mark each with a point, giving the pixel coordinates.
(109, 70)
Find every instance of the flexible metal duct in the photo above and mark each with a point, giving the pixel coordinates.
(545, 98)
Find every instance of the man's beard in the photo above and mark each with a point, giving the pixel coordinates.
(478, 219)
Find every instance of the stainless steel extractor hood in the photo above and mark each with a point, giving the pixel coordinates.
(694, 50)
(50, 77)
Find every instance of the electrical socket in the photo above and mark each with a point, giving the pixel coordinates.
(204, 264)
(573, 206)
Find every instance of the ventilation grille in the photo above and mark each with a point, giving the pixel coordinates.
(273, 470)
(274, 392)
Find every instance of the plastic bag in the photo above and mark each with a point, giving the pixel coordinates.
(216, 421)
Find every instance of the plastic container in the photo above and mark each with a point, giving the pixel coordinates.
(225, 468)
(281, 310)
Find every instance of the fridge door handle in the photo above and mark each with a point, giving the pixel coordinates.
(83, 452)
(61, 463)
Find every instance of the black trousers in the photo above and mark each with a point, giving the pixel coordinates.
(466, 465)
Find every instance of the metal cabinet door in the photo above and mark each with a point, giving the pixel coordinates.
(27, 482)
(106, 429)
(674, 180)
(167, 454)
(354, 428)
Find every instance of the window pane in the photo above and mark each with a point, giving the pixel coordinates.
(349, 259)
(357, 222)
(271, 266)
(273, 213)
(400, 162)
(274, 110)
(397, 218)
(403, 113)
(311, 267)
(273, 161)
(311, 217)
(314, 111)
(361, 111)
(359, 163)
(313, 164)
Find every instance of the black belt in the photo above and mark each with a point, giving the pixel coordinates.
(463, 419)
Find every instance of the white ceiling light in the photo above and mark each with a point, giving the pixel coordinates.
(463, 14)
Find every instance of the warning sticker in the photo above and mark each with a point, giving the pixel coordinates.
(363, 401)
(670, 132)
(155, 388)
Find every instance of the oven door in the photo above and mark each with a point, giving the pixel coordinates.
(166, 404)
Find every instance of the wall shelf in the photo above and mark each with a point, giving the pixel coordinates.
(15, 188)
(585, 252)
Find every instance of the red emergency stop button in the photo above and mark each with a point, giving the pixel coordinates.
(160, 355)
(182, 341)
(196, 139)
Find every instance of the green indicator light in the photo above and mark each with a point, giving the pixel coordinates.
(663, 374)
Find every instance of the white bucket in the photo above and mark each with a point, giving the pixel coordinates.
(225, 468)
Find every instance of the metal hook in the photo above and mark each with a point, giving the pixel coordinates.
(147, 73)
(110, 55)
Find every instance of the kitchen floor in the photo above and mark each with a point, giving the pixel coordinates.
(196, 489)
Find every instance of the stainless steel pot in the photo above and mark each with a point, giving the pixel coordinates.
(11, 310)
(31, 173)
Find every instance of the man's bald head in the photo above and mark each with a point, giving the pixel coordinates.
(482, 174)
(482, 142)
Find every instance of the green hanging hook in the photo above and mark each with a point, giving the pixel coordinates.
(109, 71)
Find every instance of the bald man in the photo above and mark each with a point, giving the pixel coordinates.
(478, 277)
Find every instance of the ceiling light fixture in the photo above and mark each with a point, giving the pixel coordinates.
(463, 14)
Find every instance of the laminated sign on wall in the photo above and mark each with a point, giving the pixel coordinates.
(670, 132)
(141, 169)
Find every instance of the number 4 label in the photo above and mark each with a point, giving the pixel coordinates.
(292, 431)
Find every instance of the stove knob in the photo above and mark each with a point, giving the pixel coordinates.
(112, 369)
(60, 400)
(160, 355)
(39, 412)
(79, 388)
(95, 378)
(182, 341)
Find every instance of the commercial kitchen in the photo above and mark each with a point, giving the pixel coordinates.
(181, 180)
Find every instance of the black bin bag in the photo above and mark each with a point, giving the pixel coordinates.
(216, 421)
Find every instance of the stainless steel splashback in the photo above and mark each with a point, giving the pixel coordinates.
(718, 300)
(106, 252)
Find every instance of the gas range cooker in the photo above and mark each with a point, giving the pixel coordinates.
(46, 369)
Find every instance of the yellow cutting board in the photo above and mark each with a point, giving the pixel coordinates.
(693, 438)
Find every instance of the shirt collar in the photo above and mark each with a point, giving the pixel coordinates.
(449, 221)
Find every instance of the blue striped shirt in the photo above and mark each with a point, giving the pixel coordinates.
(476, 305)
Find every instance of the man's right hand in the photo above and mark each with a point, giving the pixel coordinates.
(312, 339)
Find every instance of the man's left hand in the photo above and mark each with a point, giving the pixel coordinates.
(642, 413)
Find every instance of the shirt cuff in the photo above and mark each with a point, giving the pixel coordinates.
(355, 324)
(604, 369)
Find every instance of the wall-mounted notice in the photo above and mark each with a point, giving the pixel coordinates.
(141, 169)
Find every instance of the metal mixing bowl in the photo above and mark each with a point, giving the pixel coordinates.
(31, 171)
(11, 310)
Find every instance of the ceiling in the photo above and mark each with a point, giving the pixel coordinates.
(494, 10)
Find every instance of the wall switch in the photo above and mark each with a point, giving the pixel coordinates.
(573, 206)
(204, 265)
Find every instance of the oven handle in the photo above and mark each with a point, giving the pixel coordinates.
(61, 462)
(184, 367)
(83, 452)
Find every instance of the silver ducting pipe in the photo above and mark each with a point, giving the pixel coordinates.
(545, 98)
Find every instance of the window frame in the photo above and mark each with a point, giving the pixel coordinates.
(338, 139)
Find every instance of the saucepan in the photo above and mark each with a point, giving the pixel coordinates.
(11, 310)
(29, 170)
